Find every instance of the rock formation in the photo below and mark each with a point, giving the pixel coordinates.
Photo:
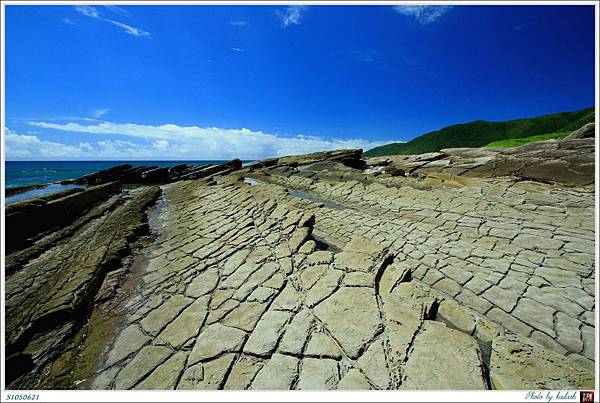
(568, 161)
(324, 271)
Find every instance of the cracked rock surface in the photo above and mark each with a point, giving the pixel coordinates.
(236, 294)
(48, 298)
(308, 273)
(520, 254)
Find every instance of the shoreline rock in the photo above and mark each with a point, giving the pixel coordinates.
(316, 274)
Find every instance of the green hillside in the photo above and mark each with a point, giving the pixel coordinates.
(481, 133)
(510, 143)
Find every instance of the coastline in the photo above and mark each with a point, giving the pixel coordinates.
(247, 276)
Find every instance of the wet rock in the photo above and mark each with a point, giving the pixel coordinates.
(26, 220)
(56, 290)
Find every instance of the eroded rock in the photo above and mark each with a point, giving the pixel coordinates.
(519, 363)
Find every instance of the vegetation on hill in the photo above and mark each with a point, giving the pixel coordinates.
(481, 133)
(510, 143)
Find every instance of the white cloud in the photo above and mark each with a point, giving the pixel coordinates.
(171, 141)
(291, 15)
(423, 14)
(239, 23)
(118, 10)
(31, 147)
(93, 12)
(68, 21)
(131, 30)
(88, 11)
(239, 50)
(98, 112)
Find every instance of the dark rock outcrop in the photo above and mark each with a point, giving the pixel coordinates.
(21, 189)
(205, 171)
(351, 158)
(156, 175)
(49, 298)
(116, 173)
(17, 259)
(27, 220)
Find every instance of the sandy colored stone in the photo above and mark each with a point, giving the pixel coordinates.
(156, 320)
(318, 374)
(353, 261)
(519, 363)
(288, 299)
(353, 380)
(500, 297)
(296, 333)
(443, 358)
(266, 334)
(240, 275)
(261, 294)
(457, 316)
(538, 316)
(309, 274)
(186, 325)
(245, 316)
(321, 345)
(103, 380)
(373, 365)
(208, 375)
(130, 339)
(277, 374)
(215, 340)
(298, 238)
(166, 375)
(323, 288)
(394, 273)
(319, 257)
(142, 364)
(243, 372)
(203, 283)
(358, 304)
(235, 261)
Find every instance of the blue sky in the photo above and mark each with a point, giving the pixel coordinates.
(217, 82)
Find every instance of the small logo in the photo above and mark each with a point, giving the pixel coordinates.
(586, 396)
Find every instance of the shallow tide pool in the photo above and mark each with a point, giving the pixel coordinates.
(28, 194)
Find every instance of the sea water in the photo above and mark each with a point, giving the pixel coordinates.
(23, 173)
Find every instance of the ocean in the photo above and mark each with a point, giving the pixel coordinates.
(23, 173)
